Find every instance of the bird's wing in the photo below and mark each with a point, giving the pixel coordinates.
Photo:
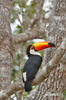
(31, 67)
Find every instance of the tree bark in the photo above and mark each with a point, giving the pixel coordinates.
(6, 57)
(53, 87)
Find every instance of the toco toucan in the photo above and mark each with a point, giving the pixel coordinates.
(33, 64)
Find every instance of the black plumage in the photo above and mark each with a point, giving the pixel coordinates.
(31, 68)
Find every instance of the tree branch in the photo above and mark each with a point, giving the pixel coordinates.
(34, 33)
(42, 75)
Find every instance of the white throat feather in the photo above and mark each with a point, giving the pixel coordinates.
(34, 52)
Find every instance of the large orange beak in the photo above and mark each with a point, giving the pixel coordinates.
(43, 45)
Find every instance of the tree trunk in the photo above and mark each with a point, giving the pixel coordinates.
(53, 87)
(6, 58)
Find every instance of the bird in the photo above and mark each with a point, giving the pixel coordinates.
(33, 63)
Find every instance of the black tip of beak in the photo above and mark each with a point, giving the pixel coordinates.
(51, 44)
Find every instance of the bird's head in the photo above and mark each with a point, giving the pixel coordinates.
(34, 48)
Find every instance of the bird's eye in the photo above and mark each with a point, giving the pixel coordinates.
(32, 47)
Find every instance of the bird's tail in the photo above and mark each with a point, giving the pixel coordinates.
(28, 86)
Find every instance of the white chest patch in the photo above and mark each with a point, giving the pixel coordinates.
(34, 52)
(25, 76)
